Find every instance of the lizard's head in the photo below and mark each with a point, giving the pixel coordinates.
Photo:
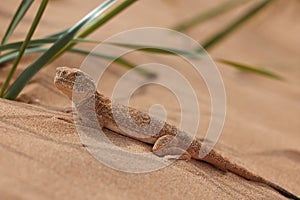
(71, 80)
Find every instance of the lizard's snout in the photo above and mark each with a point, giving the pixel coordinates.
(61, 72)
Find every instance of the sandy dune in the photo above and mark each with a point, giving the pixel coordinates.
(41, 156)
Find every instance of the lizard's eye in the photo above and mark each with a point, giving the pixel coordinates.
(78, 75)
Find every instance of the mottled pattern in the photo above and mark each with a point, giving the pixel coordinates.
(167, 139)
(131, 122)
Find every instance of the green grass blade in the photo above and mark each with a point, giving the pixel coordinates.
(162, 50)
(234, 25)
(159, 49)
(240, 66)
(12, 55)
(32, 69)
(58, 34)
(252, 69)
(97, 23)
(214, 12)
(120, 61)
(40, 42)
(24, 45)
(21, 11)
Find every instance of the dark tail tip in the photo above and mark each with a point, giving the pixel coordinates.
(283, 191)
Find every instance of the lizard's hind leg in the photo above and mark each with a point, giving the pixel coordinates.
(167, 146)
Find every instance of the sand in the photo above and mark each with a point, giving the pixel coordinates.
(41, 155)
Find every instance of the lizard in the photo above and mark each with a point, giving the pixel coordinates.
(168, 140)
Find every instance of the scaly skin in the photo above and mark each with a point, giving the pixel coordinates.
(143, 128)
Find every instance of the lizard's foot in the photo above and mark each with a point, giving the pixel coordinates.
(69, 109)
(165, 146)
(176, 155)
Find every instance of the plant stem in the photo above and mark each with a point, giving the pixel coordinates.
(234, 25)
(95, 25)
(224, 7)
(24, 45)
(21, 11)
(40, 62)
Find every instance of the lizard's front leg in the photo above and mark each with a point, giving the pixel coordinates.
(167, 146)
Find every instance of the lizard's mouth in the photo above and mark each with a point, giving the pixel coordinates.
(63, 83)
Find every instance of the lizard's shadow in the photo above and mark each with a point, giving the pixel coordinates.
(126, 143)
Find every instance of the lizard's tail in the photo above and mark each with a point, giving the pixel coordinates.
(224, 164)
(282, 191)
